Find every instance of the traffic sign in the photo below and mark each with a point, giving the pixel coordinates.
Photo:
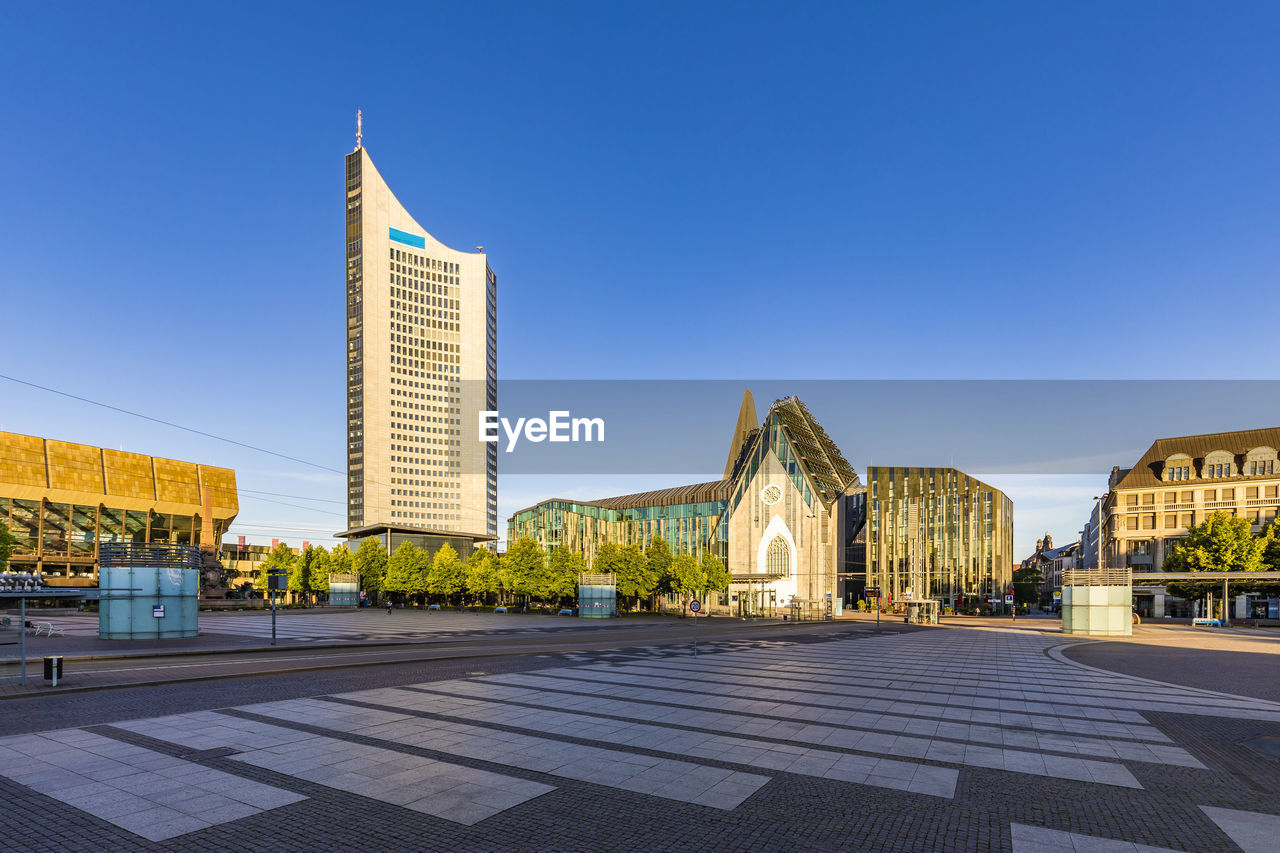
(1008, 599)
(695, 605)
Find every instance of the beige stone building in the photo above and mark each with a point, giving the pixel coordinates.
(1178, 483)
(421, 344)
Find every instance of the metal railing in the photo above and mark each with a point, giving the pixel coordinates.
(158, 555)
(1105, 576)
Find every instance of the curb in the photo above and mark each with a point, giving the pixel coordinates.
(480, 653)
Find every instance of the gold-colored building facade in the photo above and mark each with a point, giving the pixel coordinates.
(60, 500)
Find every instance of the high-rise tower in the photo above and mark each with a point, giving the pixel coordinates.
(422, 362)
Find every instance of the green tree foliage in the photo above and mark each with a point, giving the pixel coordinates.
(448, 574)
(370, 560)
(483, 577)
(406, 571)
(523, 567)
(1027, 584)
(340, 560)
(300, 572)
(635, 579)
(561, 579)
(281, 557)
(1221, 543)
(684, 577)
(1270, 556)
(318, 570)
(607, 559)
(714, 572)
(7, 541)
(658, 558)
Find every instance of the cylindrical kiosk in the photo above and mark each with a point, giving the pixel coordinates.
(148, 591)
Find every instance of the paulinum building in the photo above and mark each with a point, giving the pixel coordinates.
(421, 363)
(795, 525)
(60, 500)
(780, 517)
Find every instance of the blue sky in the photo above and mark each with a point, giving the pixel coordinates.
(712, 191)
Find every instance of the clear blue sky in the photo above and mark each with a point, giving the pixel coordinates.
(892, 190)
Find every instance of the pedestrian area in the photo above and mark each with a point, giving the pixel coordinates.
(949, 739)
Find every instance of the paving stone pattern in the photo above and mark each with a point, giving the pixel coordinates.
(955, 739)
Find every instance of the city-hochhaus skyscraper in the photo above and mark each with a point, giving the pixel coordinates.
(421, 345)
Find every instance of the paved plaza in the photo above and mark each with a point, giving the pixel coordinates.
(948, 739)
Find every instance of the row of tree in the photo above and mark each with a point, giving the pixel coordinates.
(525, 572)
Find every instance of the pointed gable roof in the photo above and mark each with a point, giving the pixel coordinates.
(742, 431)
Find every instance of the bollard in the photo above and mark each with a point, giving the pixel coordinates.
(53, 668)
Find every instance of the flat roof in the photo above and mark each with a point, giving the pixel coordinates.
(371, 529)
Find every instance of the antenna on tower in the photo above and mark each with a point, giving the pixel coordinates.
(359, 130)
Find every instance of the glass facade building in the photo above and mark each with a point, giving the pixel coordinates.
(686, 517)
(60, 500)
(937, 533)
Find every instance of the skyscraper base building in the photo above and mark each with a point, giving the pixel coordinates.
(421, 353)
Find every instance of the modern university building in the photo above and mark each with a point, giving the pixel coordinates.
(421, 346)
(793, 524)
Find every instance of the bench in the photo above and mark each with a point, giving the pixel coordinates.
(49, 629)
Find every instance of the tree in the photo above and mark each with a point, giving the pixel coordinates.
(635, 580)
(448, 574)
(658, 559)
(607, 560)
(300, 573)
(684, 578)
(7, 541)
(716, 575)
(561, 578)
(406, 571)
(523, 565)
(340, 561)
(1270, 537)
(1027, 583)
(281, 558)
(482, 573)
(370, 560)
(318, 570)
(1221, 543)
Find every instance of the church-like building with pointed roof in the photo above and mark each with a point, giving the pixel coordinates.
(791, 521)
